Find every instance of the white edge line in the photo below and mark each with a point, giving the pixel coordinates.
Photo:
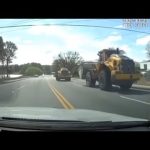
(135, 100)
(140, 89)
(18, 88)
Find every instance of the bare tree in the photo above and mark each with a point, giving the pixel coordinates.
(2, 55)
(148, 49)
(70, 60)
(10, 49)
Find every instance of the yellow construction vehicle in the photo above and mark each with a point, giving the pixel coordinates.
(112, 68)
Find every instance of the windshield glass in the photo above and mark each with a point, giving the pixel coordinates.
(49, 69)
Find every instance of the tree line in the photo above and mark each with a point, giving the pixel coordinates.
(34, 69)
(29, 69)
(7, 54)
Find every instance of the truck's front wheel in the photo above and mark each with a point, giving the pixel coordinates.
(57, 79)
(104, 80)
(89, 81)
(68, 79)
(126, 86)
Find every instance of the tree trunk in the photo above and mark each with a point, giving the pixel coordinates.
(7, 67)
(3, 76)
(0, 73)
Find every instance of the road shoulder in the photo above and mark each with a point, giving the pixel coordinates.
(5, 81)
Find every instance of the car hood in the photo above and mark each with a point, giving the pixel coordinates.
(86, 115)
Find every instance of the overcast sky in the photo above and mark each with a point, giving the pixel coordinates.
(42, 44)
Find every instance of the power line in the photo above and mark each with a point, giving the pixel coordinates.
(13, 30)
(18, 22)
(81, 25)
(104, 27)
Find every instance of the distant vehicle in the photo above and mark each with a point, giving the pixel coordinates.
(36, 75)
(63, 73)
(112, 68)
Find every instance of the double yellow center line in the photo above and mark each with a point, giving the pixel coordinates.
(65, 103)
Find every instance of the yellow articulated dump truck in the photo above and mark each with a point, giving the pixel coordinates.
(112, 68)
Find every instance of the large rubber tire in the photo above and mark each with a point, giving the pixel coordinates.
(89, 81)
(57, 79)
(93, 83)
(105, 79)
(68, 79)
(126, 86)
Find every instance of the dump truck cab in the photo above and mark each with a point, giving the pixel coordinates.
(105, 54)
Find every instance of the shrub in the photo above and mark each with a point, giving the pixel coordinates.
(31, 71)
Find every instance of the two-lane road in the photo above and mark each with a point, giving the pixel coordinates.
(45, 91)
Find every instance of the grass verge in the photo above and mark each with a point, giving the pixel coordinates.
(143, 81)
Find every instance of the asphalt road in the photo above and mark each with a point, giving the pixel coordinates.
(45, 91)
